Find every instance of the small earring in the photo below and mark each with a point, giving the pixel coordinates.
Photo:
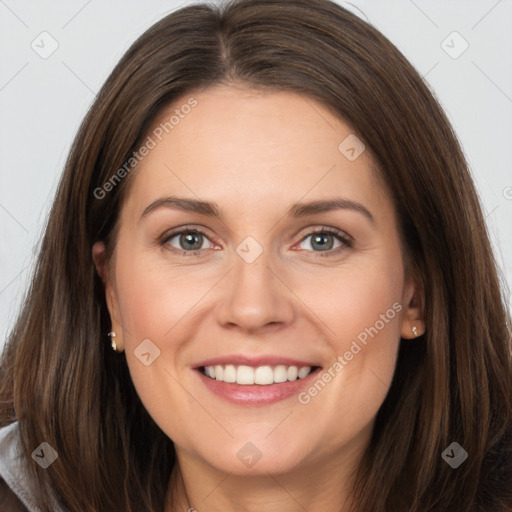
(113, 340)
(415, 331)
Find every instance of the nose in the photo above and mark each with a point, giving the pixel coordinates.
(255, 296)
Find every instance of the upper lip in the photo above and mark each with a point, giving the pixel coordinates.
(255, 361)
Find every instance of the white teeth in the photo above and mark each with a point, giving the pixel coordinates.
(244, 375)
(292, 373)
(303, 372)
(229, 373)
(280, 374)
(262, 375)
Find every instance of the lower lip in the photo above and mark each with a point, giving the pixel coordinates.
(256, 394)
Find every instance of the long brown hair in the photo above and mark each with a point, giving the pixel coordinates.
(62, 382)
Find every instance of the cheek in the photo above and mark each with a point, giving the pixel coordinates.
(361, 311)
(369, 327)
(359, 300)
(153, 297)
(156, 303)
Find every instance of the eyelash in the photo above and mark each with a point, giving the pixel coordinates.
(346, 240)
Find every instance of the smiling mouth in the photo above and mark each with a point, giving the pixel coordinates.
(262, 375)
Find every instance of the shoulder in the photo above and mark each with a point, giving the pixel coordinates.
(14, 489)
(9, 502)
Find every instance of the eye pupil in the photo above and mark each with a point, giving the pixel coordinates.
(321, 239)
(189, 238)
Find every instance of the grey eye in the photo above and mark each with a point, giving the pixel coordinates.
(321, 241)
(189, 240)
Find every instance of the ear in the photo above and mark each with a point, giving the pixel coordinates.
(107, 277)
(413, 319)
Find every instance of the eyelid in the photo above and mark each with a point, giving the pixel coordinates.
(326, 229)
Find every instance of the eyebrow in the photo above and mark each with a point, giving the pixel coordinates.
(297, 210)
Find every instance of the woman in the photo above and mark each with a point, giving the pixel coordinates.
(333, 338)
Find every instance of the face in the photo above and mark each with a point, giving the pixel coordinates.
(260, 330)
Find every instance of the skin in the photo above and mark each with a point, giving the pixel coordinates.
(255, 154)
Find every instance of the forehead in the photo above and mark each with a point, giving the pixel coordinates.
(252, 150)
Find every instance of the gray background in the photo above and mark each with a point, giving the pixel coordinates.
(42, 100)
